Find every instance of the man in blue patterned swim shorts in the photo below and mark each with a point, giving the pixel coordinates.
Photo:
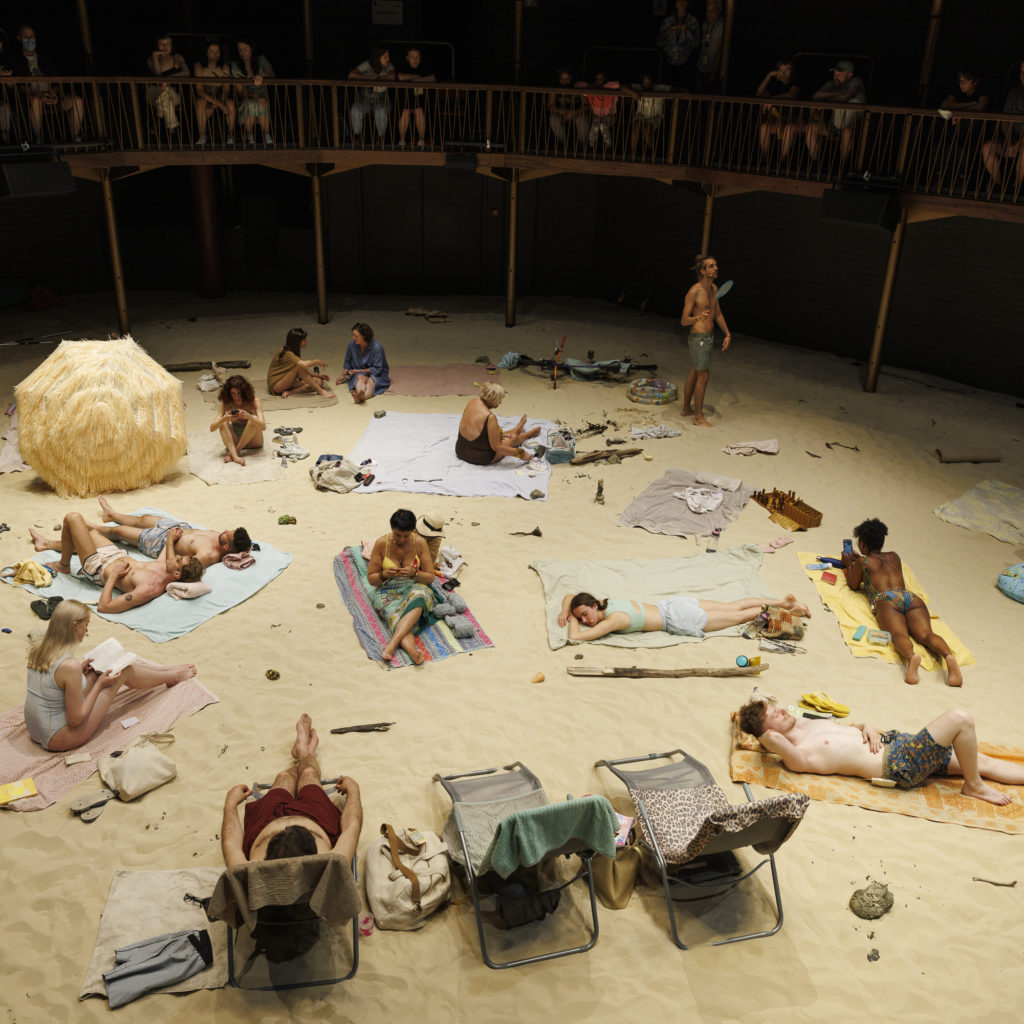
(947, 746)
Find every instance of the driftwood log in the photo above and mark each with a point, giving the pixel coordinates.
(623, 453)
(230, 364)
(667, 673)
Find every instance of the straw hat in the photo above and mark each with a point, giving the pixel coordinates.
(430, 524)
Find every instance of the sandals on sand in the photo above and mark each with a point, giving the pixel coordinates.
(90, 806)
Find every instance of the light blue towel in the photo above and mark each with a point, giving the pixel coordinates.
(163, 618)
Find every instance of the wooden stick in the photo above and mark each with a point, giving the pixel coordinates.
(1008, 885)
(231, 364)
(667, 673)
(604, 453)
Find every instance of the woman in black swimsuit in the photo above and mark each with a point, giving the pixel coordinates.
(480, 440)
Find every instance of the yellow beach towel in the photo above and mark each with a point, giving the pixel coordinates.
(30, 571)
(853, 609)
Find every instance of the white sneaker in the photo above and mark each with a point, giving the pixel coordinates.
(268, 139)
(201, 141)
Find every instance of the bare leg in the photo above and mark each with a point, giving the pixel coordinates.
(403, 631)
(41, 543)
(227, 435)
(144, 675)
(691, 382)
(895, 622)
(920, 624)
(403, 125)
(72, 736)
(956, 728)
(290, 384)
(129, 534)
(75, 538)
(991, 153)
(111, 516)
(722, 614)
(252, 437)
(421, 123)
(700, 386)
(307, 768)
(363, 389)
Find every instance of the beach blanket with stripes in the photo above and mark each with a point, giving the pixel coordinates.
(434, 642)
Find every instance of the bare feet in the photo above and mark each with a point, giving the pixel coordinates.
(699, 421)
(181, 673)
(983, 791)
(790, 603)
(41, 543)
(912, 668)
(304, 738)
(357, 398)
(234, 457)
(108, 512)
(687, 411)
(953, 676)
(389, 652)
(59, 566)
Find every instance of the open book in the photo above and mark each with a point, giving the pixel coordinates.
(110, 656)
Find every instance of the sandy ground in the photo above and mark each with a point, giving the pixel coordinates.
(950, 948)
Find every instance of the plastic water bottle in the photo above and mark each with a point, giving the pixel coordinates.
(713, 540)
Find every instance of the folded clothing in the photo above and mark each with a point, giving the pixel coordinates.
(238, 560)
(453, 605)
(187, 591)
(459, 625)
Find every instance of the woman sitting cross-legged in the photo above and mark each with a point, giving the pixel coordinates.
(66, 699)
(240, 419)
(402, 570)
(290, 374)
(589, 619)
(480, 440)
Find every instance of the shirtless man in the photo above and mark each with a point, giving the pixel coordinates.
(107, 566)
(947, 746)
(700, 313)
(147, 533)
(296, 817)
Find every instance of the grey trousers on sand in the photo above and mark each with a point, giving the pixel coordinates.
(156, 963)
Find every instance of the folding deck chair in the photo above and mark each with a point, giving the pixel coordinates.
(502, 820)
(683, 815)
(288, 920)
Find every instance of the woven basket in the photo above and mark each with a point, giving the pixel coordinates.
(652, 391)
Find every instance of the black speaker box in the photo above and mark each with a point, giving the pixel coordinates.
(26, 180)
(870, 209)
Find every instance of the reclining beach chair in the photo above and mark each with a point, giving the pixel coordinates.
(288, 920)
(501, 823)
(691, 830)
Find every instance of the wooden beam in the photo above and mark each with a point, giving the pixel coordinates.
(667, 673)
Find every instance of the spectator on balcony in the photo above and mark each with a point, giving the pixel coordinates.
(778, 123)
(253, 108)
(1007, 143)
(164, 98)
(5, 106)
(709, 58)
(565, 108)
(372, 99)
(955, 142)
(39, 95)
(603, 111)
(970, 94)
(212, 98)
(648, 116)
(844, 91)
(414, 100)
(678, 37)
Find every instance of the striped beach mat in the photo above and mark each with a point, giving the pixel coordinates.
(434, 643)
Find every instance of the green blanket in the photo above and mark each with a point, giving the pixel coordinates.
(723, 576)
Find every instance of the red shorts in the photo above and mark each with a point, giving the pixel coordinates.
(310, 802)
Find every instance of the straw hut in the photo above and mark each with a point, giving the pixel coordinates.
(100, 416)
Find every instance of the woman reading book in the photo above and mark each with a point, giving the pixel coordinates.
(66, 699)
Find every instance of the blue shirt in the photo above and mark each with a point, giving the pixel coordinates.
(372, 359)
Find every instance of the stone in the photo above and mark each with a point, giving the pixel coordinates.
(535, 494)
(872, 901)
(873, 955)
(379, 413)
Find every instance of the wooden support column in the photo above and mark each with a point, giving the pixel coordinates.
(318, 243)
(307, 31)
(895, 249)
(723, 65)
(517, 44)
(510, 258)
(931, 41)
(115, 251)
(709, 211)
(204, 209)
(83, 28)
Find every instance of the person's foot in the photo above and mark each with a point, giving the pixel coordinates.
(912, 670)
(236, 458)
(59, 567)
(180, 674)
(41, 543)
(790, 603)
(388, 653)
(357, 398)
(531, 433)
(953, 676)
(699, 421)
(687, 411)
(303, 737)
(983, 791)
(108, 512)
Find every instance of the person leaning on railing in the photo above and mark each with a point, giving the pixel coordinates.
(28, 63)
(414, 101)
(165, 63)
(252, 97)
(372, 99)
(564, 107)
(1007, 143)
(213, 97)
(779, 83)
(844, 89)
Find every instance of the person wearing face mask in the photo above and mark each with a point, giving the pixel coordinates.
(29, 63)
(5, 106)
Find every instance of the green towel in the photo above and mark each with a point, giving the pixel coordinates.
(523, 838)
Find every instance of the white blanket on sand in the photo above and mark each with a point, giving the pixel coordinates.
(206, 460)
(415, 452)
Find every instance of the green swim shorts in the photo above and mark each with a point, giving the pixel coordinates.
(700, 350)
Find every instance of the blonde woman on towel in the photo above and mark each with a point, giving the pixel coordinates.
(66, 699)
(682, 615)
(480, 440)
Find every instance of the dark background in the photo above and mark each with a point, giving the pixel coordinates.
(425, 231)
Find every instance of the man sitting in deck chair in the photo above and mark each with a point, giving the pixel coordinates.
(295, 818)
(947, 746)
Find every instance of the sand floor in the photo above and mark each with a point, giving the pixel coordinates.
(949, 949)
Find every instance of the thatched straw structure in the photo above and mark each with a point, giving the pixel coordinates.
(100, 416)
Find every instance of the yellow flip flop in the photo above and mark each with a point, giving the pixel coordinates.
(823, 702)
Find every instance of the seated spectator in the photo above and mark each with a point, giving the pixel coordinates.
(603, 111)
(480, 440)
(648, 115)
(366, 365)
(163, 98)
(371, 99)
(566, 107)
(5, 106)
(240, 418)
(295, 818)
(29, 63)
(253, 109)
(955, 142)
(213, 98)
(969, 95)
(414, 101)
(678, 37)
(845, 90)
(1007, 143)
(778, 123)
(289, 374)
(66, 699)
(709, 59)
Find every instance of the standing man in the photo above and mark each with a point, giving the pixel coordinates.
(700, 313)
